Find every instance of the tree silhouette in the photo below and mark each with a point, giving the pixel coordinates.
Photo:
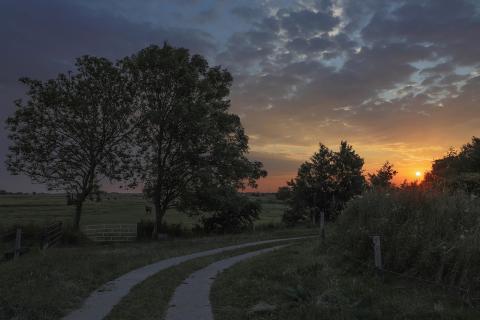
(188, 142)
(325, 183)
(73, 131)
(382, 179)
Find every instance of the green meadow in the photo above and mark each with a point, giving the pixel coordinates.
(40, 209)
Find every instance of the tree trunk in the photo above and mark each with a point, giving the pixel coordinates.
(76, 218)
(159, 213)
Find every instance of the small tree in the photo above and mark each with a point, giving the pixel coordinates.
(73, 130)
(325, 183)
(382, 179)
(188, 142)
(283, 193)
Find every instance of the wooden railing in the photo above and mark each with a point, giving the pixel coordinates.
(52, 235)
(19, 240)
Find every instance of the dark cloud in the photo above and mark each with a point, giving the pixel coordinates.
(448, 27)
(306, 22)
(389, 76)
(247, 13)
(313, 45)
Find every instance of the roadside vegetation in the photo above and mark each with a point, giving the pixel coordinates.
(307, 281)
(430, 230)
(424, 233)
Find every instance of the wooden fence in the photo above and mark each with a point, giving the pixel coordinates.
(111, 232)
(19, 240)
(13, 239)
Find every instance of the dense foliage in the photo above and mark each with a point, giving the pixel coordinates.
(234, 215)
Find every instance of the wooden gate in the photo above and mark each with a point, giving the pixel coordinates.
(111, 232)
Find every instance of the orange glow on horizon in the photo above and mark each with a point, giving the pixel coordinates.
(411, 160)
(271, 184)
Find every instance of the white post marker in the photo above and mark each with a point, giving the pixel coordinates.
(377, 252)
(18, 244)
(322, 224)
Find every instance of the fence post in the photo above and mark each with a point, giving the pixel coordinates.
(44, 239)
(18, 244)
(322, 225)
(377, 252)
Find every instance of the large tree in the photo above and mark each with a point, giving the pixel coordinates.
(72, 131)
(325, 183)
(188, 142)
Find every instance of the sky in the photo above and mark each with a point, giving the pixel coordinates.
(399, 80)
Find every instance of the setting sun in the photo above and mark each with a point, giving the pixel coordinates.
(418, 174)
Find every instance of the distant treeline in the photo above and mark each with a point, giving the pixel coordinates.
(4, 192)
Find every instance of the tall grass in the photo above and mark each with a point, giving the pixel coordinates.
(424, 233)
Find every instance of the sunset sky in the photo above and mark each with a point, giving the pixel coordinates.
(399, 80)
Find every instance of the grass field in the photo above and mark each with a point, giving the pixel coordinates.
(114, 208)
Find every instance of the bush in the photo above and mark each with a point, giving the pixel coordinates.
(145, 229)
(174, 230)
(72, 237)
(425, 233)
(232, 216)
(269, 226)
(283, 193)
(292, 217)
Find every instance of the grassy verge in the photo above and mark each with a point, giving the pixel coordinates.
(306, 282)
(39, 286)
(149, 300)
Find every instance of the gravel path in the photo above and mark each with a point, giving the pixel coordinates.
(191, 300)
(101, 301)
